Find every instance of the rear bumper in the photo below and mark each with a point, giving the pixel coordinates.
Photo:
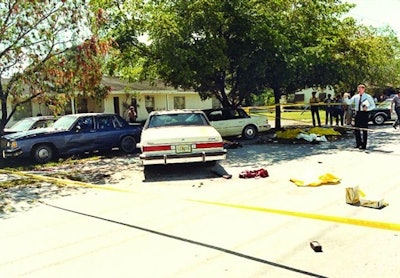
(182, 158)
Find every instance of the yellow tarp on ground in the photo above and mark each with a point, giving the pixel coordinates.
(327, 178)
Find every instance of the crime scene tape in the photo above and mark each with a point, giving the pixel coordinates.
(329, 218)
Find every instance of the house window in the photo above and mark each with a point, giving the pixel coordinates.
(179, 102)
(149, 103)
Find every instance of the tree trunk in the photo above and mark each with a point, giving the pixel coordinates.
(277, 95)
(3, 100)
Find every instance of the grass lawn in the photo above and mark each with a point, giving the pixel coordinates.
(303, 117)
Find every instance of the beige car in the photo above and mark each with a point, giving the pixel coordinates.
(236, 122)
(180, 136)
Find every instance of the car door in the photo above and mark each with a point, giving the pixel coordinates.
(82, 136)
(234, 122)
(108, 132)
(218, 121)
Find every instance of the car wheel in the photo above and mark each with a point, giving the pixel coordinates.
(43, 153)
(249, 132)
(128, 144)
(379, 120)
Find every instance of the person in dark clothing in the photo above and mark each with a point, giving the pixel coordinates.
(396, 104)
(338, 110)
(329, 110)
(314, 107)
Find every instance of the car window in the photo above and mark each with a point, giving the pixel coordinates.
(22, 125)
(42, 124)
(215, 115)
(242, 113)
(231, 114)
(65, 122)
(177, 120)
(105, 122)
(85, 123)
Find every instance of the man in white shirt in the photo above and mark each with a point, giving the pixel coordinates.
(363, 104)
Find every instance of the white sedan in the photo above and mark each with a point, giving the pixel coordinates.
(180, 136)
(236, 122)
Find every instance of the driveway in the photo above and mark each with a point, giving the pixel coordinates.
(188, 221)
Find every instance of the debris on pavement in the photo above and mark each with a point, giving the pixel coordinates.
(260, 173)
(232, 145)
(316, 246)
(355, 196)
(327, 178)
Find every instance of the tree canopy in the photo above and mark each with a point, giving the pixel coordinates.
(236, 48)
(48, 47)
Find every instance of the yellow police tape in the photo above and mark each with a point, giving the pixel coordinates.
(329, 218)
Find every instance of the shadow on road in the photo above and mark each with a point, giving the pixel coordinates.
(189, 171)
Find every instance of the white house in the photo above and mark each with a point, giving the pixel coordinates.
(304, 96)
(142, 95)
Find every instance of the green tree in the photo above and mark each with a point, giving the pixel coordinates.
(234, 49)
(230, 49)
(48, 47)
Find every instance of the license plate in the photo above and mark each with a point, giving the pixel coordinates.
(183, 148)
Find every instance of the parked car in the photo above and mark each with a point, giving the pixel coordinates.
(180, 136)
(31, 123)
(381, 113)
(236, 122)
(72, 134)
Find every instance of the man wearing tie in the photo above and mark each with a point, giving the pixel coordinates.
(363, 104)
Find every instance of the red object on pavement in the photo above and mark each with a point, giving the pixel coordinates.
(260, 173)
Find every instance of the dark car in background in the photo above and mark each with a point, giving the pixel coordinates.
(31, 123)
(381, 113)
(73, 134)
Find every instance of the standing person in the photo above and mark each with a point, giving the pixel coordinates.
(396, 104)
(329, 110)
(347, 111)
(339, 112)
(315, 109)
(363, 104)
(131, 115)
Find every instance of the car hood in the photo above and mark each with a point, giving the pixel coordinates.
(31, 133)
(171, 135)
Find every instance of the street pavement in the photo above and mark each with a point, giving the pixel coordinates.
(186, 221)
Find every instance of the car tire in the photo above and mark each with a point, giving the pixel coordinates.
(249, 132)
(379, 119)
(43, 153)
(128, 144)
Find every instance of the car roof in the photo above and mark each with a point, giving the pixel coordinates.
(176, 111)
(37, 118)
(88, 114)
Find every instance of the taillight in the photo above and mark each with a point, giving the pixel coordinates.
(209, 145)
(157, 148)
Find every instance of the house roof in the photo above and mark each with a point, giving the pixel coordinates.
(118, 84)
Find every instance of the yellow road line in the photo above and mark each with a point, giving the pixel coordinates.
(330, 218)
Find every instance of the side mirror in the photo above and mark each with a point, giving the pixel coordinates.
(78, 128)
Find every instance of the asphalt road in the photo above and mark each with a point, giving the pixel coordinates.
(187, 221)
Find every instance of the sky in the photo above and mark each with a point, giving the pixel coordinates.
(377, 13)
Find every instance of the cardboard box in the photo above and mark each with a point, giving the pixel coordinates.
(372, 202)
(352, 195)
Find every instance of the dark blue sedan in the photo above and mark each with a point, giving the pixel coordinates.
(73, 134)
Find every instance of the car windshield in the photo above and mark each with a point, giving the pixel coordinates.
(64, 123)
(22, 125)
(177, 119)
